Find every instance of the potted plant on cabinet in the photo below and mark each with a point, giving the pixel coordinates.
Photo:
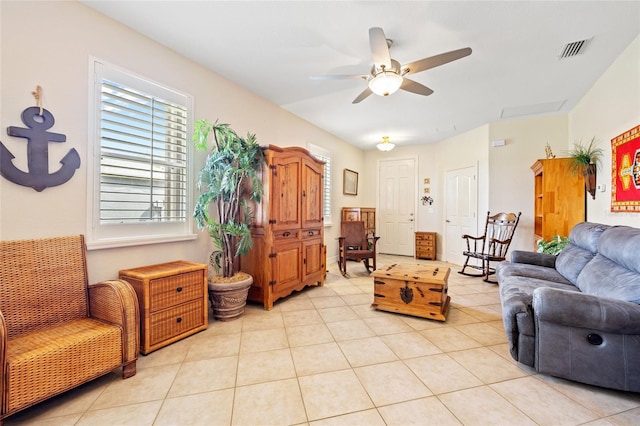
(229, 179)
(585, 160)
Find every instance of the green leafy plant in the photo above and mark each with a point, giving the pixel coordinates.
(229, 179)
(584, 155)
(553, 246)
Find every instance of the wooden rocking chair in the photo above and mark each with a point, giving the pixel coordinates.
(492, 246)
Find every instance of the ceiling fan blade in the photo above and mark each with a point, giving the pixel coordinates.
(366, 92)
(379, 48)
(435, 61)
(415, 87)
(339, 77)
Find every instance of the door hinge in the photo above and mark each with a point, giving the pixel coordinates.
(272, 282)
(272, 221)
(272, 255)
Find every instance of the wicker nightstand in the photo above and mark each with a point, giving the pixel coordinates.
(173, 301)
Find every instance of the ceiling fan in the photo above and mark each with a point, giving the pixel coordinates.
(387, 75)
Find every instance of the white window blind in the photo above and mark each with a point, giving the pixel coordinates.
(143, 157)
(324, 155)
(140, 173)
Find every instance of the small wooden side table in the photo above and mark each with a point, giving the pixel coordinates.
(173, 301)
(426, 245)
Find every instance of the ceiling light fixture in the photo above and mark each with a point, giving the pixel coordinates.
(385, 82)
(385, 145)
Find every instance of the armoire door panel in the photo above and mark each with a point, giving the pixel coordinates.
(286, 194)
(311, 194)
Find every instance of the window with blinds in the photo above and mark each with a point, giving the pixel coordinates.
(143, 157)
(140, 174)
(324, 155)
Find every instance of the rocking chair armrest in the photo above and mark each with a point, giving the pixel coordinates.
(470, 237)
(374, 240)
(496, 241)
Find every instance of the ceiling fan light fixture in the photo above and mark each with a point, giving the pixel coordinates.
(385, 145)
(385, 83)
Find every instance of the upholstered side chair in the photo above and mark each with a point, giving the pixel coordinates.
(354, 244)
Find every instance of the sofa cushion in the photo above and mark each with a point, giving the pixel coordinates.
(615, 270)
(622, 245)
(587, 235)
(583, 245)
(509, 269)
(52, 360)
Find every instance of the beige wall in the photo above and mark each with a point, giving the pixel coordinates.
(49, 44)
(54, 53)
(611, 107)
(510, 175)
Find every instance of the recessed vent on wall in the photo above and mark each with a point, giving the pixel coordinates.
(573, 48)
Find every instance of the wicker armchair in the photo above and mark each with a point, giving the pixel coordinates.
(57, 332)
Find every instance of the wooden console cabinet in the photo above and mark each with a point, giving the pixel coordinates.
(173, 301)
(426, 245)
(559, 198)
(288, 229)
(364, 214)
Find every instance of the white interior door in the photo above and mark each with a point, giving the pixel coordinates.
(396, 212)
(460, 215)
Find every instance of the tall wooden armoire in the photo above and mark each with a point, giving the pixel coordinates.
(288, 229)
(559, 198)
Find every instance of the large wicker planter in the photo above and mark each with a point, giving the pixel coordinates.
(228, 299)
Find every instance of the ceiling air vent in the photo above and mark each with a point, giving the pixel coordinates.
(573, 48)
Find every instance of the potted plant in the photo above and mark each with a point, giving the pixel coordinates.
(585, 160)
(229, 179)
(553, 246)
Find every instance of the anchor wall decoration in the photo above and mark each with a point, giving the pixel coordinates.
(38, 120)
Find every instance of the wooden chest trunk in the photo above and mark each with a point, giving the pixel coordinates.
(412, 289)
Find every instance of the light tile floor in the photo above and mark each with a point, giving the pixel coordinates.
(324, 357)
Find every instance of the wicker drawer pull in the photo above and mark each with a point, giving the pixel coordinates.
(179, 289)
(179, 320)
(286, 234)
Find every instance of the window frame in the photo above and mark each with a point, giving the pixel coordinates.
(318, 151)
(102, 235)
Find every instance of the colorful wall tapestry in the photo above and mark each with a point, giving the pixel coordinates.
(625, 172)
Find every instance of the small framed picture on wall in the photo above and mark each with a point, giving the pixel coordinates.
(350, 182)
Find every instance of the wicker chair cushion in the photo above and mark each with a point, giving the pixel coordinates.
(47, 362)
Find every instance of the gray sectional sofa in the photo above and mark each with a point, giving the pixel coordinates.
(577, 315)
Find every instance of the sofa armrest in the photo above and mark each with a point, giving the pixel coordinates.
(533, 258)
(574, 309)
(115, 302)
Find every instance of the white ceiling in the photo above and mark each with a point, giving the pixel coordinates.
(273, 47)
